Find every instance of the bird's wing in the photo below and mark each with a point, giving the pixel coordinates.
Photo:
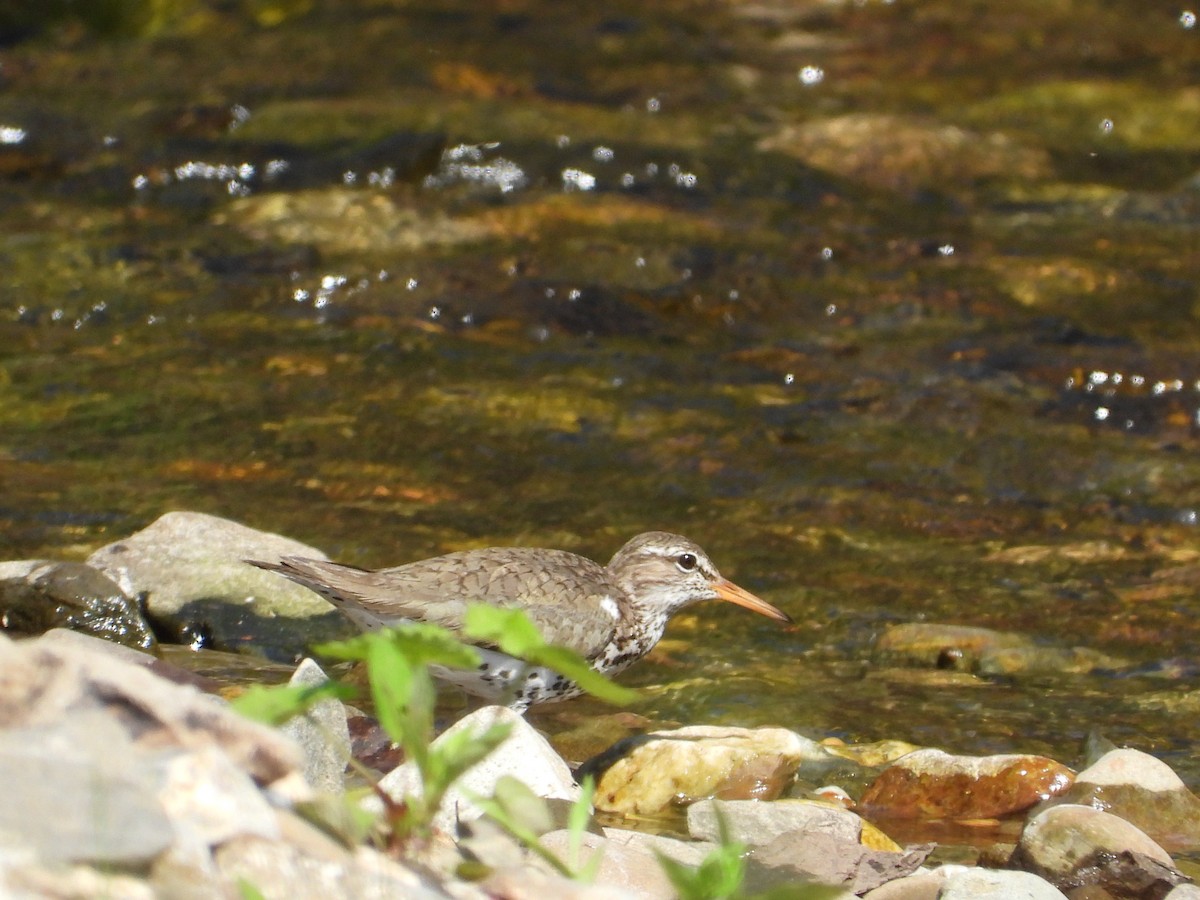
(569, 598)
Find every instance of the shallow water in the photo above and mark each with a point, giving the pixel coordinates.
(858, 296)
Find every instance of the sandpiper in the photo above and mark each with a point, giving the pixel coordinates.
(612, 615)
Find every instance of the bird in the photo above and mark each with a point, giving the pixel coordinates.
(612, 615)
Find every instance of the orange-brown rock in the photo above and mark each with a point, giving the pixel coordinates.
(932, 784)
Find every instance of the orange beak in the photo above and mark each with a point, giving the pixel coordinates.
(727, 590)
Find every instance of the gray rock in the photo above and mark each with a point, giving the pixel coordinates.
(1142, 790)
(76, 790)
(191, 569)
(321, 733)
(37, 595)
(1184, 892)
(757, 823)
(45, 682)
(919, 886)
(1079, 846)
(629, 859)
(998, 884)
(34, 882)
(525, 755)
(283, 871)
(826, 859)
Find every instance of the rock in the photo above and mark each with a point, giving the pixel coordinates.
(43, 683)
(651, 774)
(986, 651)
(191, 569)
(37, 595)
(525, 883)
(28, 881)
(935, 784)
(281, 871)
(346, 219)
(1184, 892)
(920, 886)
(998, 884)
(76, 791)
(1145, 792)
(905, 153)
(629, 861)
(1075, 846)
(756, 823)
(524, 755)
(826, 859)
(322, 734)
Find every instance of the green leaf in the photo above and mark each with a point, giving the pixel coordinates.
(275, 704)
(577, 823)
(514, 634)
(422, 644)
(458, 751)
(509, 629)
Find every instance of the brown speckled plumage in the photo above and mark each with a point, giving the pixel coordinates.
(613, 615)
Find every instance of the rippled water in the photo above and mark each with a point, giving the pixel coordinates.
(859, 296)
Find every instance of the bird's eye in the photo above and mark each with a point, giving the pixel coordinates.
(686, 562)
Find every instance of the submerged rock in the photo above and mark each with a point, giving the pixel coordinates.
(907, 153)
(986, 651)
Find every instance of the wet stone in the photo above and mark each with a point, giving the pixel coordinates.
(321, 732)
(1075, 846)
(38, 595)
(936, 784)
(652, 774)
(1145, 792)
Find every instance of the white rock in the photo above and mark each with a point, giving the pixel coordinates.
(321, 733)
(1131, 767)
(757, 823)
(524, 755)
(998, 884)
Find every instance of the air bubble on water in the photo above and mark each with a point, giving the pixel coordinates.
(826, 253)
(640, 262)
(549, 293)
(831, 309)
(300, 295)
(603, 154)
(811, 75)
(574, 294)
(1187, 19)
(411, 284)
(563, 141)
(946, 250)
(1106, 126)
(349, 177)
(1101, 413)
(653, 105)
(12, 134)
(789, 378)
(627, 180)
(577, 180)
(734, 295)
(435, 312)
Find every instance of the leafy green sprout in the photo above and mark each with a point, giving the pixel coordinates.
(399, 664)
